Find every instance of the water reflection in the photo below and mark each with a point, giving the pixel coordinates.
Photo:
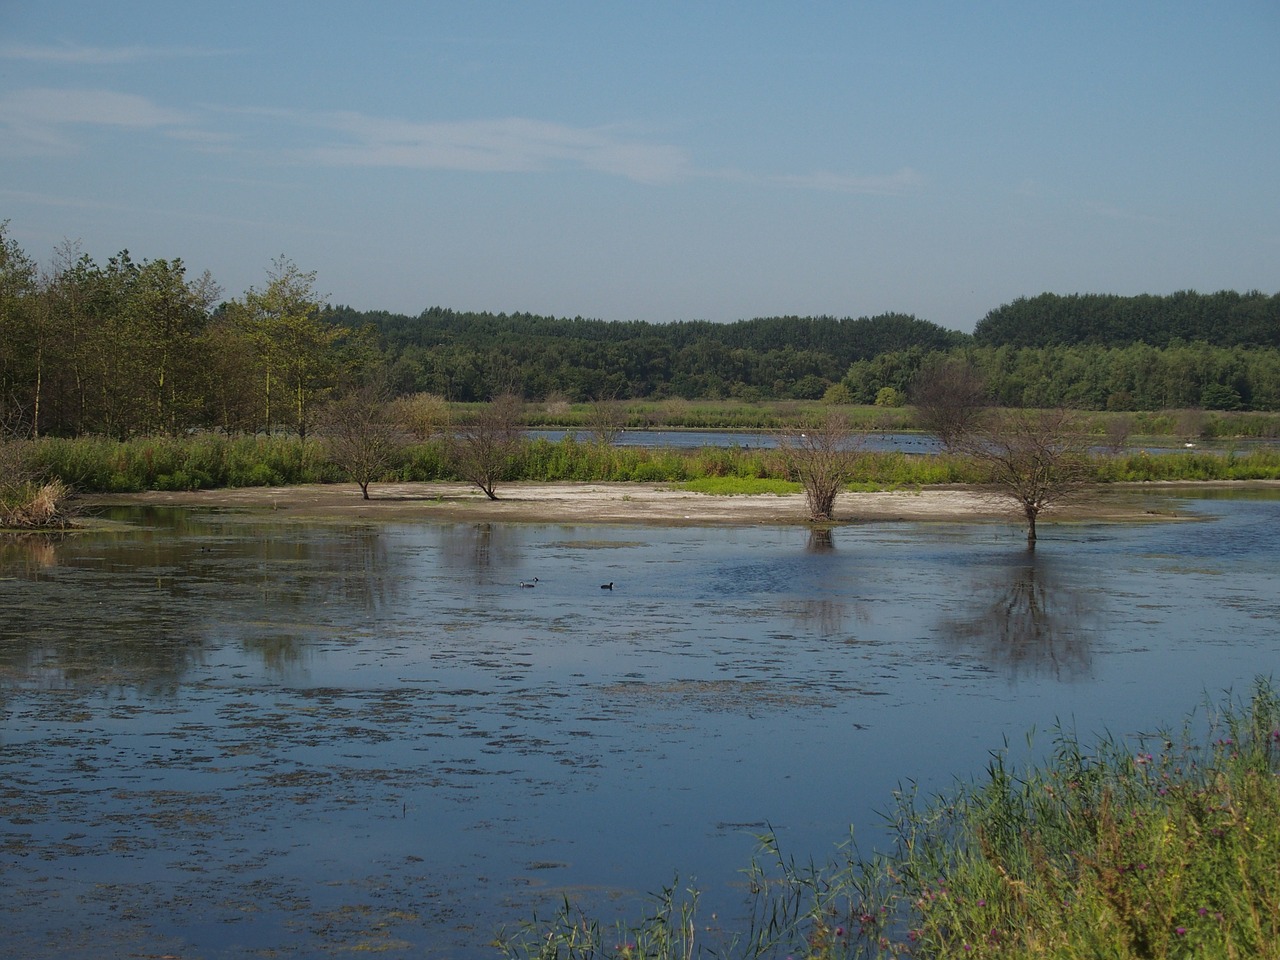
(479, 548)
(824, 617)
(1024, 617)
(142, 609)
(25, 556)
(374, 723)
(821, 540)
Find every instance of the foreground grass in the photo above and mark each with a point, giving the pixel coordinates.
(1164, 846)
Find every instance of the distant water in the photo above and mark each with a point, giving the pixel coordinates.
(878, 442)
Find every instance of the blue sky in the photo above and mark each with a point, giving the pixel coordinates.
(656, 161)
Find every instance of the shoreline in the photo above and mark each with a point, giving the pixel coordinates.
(661, 503)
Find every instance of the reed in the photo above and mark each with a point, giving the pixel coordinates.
(1158, 846)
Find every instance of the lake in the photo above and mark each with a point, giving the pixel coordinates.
(229, 736)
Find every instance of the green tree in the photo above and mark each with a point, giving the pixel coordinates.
(21, 348)
(297, 357)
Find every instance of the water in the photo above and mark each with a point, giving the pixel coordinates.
(876, 442)
(223, 736)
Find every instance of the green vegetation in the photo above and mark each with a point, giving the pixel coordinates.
(131, 349)
(740, 486)
(1159, 846)
(208, 461)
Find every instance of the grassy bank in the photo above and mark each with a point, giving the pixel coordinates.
(1164, 846)
(209, 461)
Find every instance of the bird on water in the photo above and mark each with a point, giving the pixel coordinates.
(529, 583)
(607, 586)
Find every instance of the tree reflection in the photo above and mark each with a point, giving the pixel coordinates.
(141, 611)
(482, 547)
(820, 540)
(826, 617)
(1026, 619)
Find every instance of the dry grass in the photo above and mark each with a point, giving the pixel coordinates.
(32, 506)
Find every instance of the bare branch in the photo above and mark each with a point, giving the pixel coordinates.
(1035, 458)
(823, 459)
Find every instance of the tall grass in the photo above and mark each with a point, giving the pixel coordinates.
(1161, 846)
(204, 461)
(93, 464)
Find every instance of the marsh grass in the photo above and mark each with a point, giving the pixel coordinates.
(1158, 846)
(209, 461)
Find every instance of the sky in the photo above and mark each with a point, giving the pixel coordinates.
(652, 160)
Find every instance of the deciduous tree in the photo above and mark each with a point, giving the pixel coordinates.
(1036, 458)
(950, 398)
(484, 449)
(361, 435)
(823, 459)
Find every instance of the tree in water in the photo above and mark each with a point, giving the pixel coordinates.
(823, 459)
(1037, 458)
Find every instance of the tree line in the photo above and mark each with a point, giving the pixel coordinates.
(131, 348)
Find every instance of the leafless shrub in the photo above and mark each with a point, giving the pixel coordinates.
(950, 399)
(361, 436)
(607, 419)
(484, 450)
(823, 459)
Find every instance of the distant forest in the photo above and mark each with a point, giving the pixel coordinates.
(1093, 352)
(129, 348)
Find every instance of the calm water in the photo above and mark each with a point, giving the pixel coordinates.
(223, 737)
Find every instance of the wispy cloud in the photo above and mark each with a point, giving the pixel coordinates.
(521, 145)
(37, 119)
(75, 54)
(46, 120)
(509, 145)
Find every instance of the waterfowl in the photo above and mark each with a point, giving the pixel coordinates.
(607, 586)
(529, 583)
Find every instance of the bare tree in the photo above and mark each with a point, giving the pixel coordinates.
(950, 399)
(1117, 430)
(362, 436)
(823, 459)
(1036, 458)
(606, 419)
(484, 449)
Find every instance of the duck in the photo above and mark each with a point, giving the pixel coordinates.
(529, 583)
(607, 586)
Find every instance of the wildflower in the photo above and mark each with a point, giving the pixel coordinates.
(1180, 931)
(1203, 911)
